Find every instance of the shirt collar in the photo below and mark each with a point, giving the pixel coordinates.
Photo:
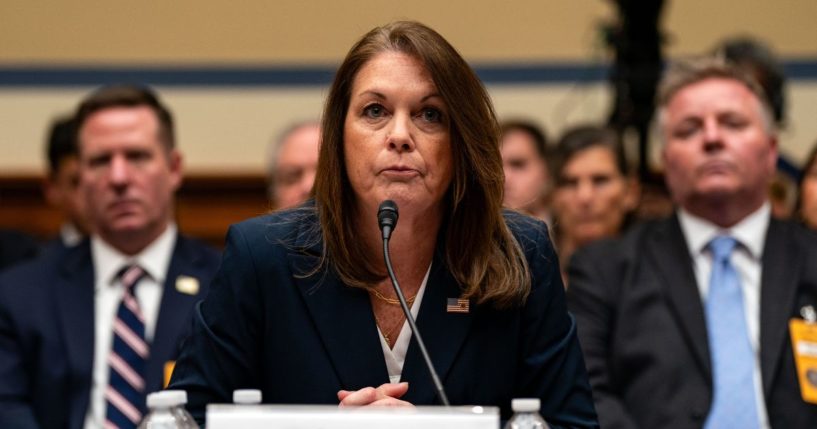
(749, 232)
(154, 259)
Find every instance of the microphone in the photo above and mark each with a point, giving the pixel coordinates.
(387, 219)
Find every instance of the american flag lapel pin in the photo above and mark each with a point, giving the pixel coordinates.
(457, 305)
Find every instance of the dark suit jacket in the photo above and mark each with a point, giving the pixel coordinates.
(15, 247)
(300, 338)
(642, 327)
(47, 332)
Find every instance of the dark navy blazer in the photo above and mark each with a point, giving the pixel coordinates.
(47, 332)
(301, 338)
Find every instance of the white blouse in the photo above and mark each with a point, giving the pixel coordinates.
(395, 357)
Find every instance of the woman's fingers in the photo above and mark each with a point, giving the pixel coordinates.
(385, 394)
(394, 390)
(357, 398)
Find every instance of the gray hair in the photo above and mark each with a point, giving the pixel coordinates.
(278, 142)
(682, 74)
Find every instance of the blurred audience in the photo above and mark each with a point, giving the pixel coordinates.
(293, 164)
(807, 197)
(783, 195)
(595, 191)
(655, 201)
(684, 321)
(523, 148)
(61, 184)
(80, 344)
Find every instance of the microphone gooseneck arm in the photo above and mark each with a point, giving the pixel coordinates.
(387, 218)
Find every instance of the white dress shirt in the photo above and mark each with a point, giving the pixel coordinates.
(396, 357)
(108, 291)
(747, 259)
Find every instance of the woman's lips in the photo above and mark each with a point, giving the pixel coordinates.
(400, 172)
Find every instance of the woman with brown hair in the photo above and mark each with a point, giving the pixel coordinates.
(302, 307)
(595, 192)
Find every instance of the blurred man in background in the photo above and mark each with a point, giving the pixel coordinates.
(527, 182)
(61, 184)
(87, 331)
(293, 164)
(684, 322)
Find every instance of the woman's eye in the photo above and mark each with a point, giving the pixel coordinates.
(601, 180)
(373, 111)
(432, 115)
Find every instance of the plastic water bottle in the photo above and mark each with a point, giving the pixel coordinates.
(166, 411)
(247, 397)
(526, 415)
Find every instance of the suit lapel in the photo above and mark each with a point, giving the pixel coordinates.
(343, 317)
(75, 300)
(443, 333)
(173, 316)
(74, 292)
(669, 250)
(344, 320)
(777, 297)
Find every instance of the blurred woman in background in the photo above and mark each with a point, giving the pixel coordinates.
(595, 192)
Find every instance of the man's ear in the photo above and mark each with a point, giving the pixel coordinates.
(175, 166)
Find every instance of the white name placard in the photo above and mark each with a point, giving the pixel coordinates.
(332, 417)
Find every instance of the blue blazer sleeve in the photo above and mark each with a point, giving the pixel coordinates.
(551, 361)
(222, 350)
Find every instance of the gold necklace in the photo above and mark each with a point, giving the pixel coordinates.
(392, 301)
(387, 334)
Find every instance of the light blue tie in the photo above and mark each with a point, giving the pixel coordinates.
(733, 402)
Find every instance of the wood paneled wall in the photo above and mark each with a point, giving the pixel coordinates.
(205, 205)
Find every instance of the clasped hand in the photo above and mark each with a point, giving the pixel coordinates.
(385, 395)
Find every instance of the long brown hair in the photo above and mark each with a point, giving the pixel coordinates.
(480, 251)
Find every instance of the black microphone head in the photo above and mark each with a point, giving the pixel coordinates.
(387, 217)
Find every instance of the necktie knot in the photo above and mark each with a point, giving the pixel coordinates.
(722, 247)
(130, 275)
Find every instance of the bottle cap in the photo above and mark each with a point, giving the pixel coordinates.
(167, 398)
(179, 395)
(525, 405)
(247, 396)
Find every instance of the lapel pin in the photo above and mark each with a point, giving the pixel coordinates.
(809, 314)
(457, 305)
(187, 285)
